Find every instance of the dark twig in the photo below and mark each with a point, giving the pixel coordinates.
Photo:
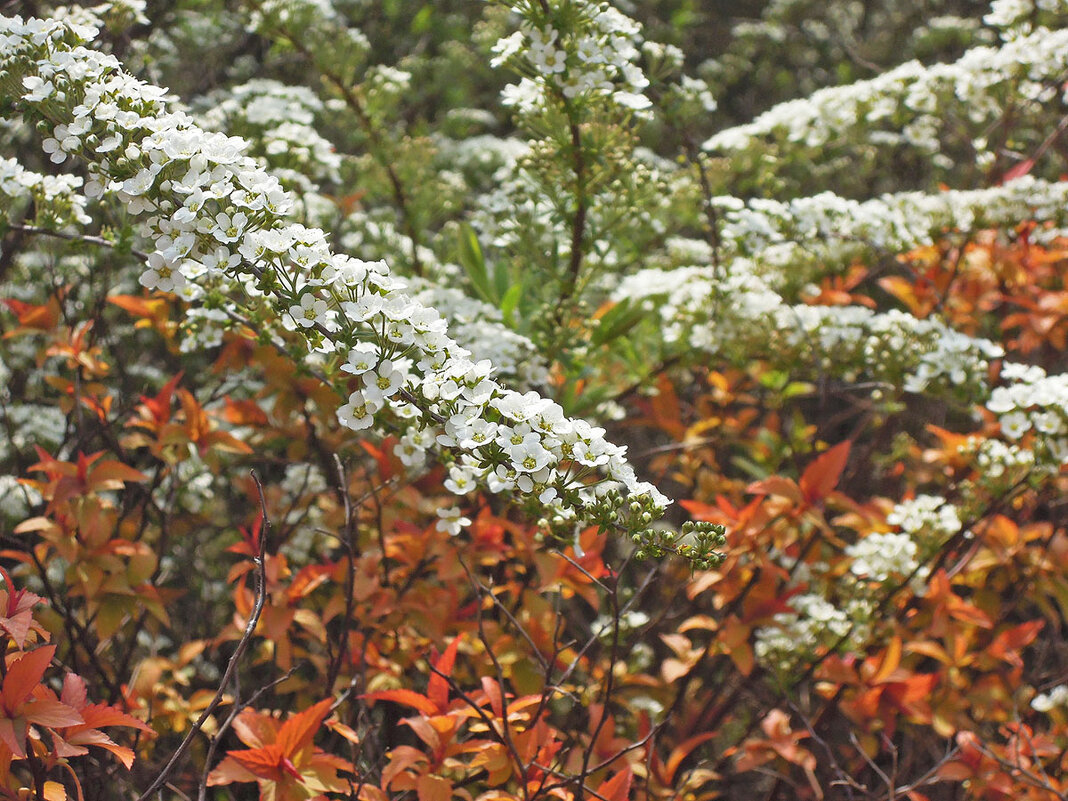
(202, 791)
(235, 658)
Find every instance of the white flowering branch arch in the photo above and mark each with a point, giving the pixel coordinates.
(216, 224)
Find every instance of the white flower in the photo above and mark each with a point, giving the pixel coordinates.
(140, 183)
(229, 228)
(161, 276)
(506, 48)
(549, 60)
(476, 433)
(529, 455)
(358, 413)
(461, 480)
(310, 311)
(383, 382)
(1015, 424)
(362, 357)
(880, 556)
(632, 100)
(452, 521)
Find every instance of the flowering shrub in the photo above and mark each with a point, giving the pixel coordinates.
(345, 382)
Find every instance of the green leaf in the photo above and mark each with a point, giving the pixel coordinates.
(797, 388)
(749, 467)
(616, 322)
(509, 303)
(423, 20)
(474, 263)
(502, 283)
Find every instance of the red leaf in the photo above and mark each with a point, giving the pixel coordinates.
(1019, 171)
(101, 740)
(683, 750)
(493, 693)
(74, 693)
(97, 715)
(263, 762)
(438, 687)
(230, 770)
(1006, 645)
(888, 664)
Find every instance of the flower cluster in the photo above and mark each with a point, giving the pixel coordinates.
(593, 57)
(893, 223)
(908, 103)
(478, 326)
(214, 219)
(882, 555)
(1046, 702)
(279, 119)
(928, 519)
(815, 625)
(1017, 17)
(894, 344)
(997, 460)
(1037, 403)
(56, 200)
(850, 341)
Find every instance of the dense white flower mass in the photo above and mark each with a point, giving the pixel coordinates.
(928, 518)
(56, 198)
(279, 119)
(215, 218)
(1016, 17)
(814, 625)
(891, 223)
(879, 556)
(595, 60)
(478, 326)
(711, 308)
(906, 104)
(1036, 405)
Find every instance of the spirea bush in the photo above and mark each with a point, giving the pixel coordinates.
(354, 353)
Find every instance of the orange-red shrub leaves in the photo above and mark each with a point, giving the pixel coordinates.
(282, 758)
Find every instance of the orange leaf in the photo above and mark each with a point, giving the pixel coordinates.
(683, 750)
(138, 306)
(406, 697)
(23, 675)
(1019, 171)
(437, 686)
(776, 485)
(1006, 645)
(261, 762)
(433, 788)
(244, 412)
(822, 475)
(230, 770)
(50, 712)
(111, 475)
(493, 693)
(891, 659)
(618, 787)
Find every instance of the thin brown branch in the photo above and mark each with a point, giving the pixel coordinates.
(231, 665)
